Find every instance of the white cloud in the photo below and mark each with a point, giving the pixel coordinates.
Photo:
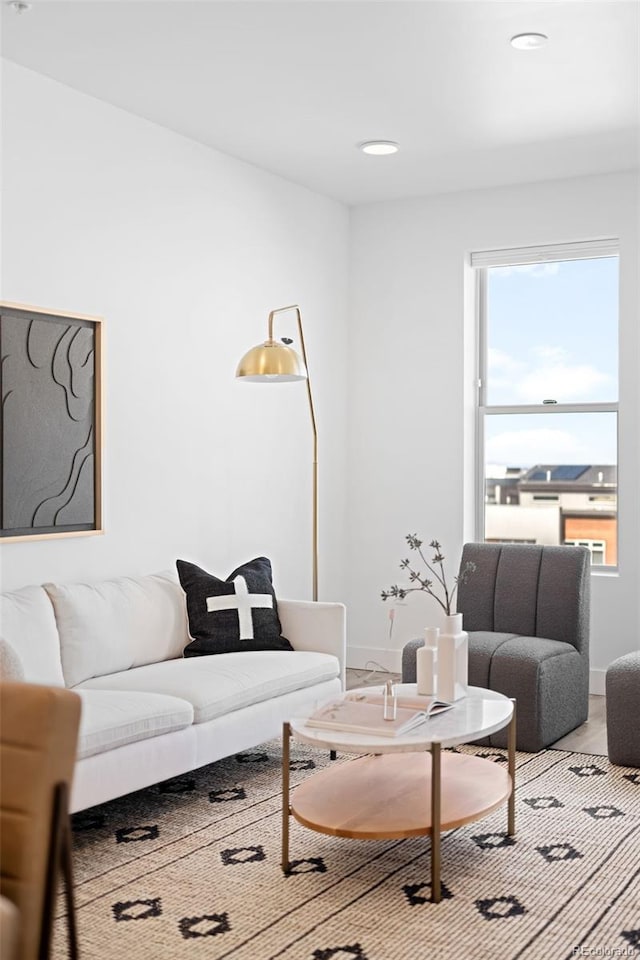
(555, 379)
(547, 376)
(503, 369)
(531, 269)
(523, 448)
(502, 362)
(550, 354)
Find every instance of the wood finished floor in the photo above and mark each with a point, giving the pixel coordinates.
(591, 737)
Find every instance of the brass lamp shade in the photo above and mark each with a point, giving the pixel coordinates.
(271, 361)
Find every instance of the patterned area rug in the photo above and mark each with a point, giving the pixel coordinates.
(190, 868)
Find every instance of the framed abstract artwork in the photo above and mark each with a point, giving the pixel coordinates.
(51, 422)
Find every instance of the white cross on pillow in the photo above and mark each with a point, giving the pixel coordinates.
(242, 601)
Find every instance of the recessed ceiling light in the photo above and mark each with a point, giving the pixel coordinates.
(529, 41)
(19, 6)
(379, 148)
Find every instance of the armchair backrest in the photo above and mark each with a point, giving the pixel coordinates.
(527, 589)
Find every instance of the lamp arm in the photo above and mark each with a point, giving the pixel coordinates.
(314, 428)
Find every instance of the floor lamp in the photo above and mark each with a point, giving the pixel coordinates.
(275, 362)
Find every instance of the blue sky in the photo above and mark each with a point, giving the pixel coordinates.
(552, 333)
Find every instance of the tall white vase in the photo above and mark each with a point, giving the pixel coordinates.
(427, 662)
(453, 659)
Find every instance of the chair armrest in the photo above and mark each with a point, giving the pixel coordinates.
(316, 626)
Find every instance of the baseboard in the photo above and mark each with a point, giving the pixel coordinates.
(365, 658)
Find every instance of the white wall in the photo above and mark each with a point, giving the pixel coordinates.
(411, 463)
(183, 251)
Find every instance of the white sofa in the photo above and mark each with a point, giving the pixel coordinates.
(148, 713)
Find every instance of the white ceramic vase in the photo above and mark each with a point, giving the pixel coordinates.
(453, 659)
(427, 662)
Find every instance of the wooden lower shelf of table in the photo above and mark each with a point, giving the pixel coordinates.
(388, 796)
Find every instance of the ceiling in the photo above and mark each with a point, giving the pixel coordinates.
(293, 87)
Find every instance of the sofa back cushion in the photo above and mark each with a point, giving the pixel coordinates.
(11, 669)
(28, 625)
(116, 624)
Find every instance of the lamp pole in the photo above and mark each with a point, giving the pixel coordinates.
(314, 429)
(275, 361)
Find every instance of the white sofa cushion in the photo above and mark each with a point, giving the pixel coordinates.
(221, 683)
(28, 624)
(11, 668)
(112, 718)
(117, 624)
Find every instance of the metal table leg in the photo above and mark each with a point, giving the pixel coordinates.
(511, 744)
(435, 822)
(286, 810)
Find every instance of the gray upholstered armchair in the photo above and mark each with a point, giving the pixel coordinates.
(526, 609)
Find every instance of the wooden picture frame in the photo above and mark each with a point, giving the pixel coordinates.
(51, 423)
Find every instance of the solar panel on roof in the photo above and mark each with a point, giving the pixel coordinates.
(568, 472)
(538, 475)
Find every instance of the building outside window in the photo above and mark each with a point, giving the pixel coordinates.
(596, 548)
(548, 396)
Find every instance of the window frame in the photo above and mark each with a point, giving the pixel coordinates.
(481, 262)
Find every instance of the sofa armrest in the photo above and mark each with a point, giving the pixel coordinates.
(316, 626)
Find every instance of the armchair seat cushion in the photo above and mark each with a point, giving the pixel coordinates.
(484, 643)
(517, 652)
(548, 679)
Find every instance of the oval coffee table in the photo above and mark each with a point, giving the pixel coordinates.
(404, 786)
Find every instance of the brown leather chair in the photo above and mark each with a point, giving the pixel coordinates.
(9, 926)
(38, 740)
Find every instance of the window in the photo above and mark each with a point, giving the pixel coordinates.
(595, 547)
(548, 395)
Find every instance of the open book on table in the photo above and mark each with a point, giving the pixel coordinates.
(415, 701)
(359, 715)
